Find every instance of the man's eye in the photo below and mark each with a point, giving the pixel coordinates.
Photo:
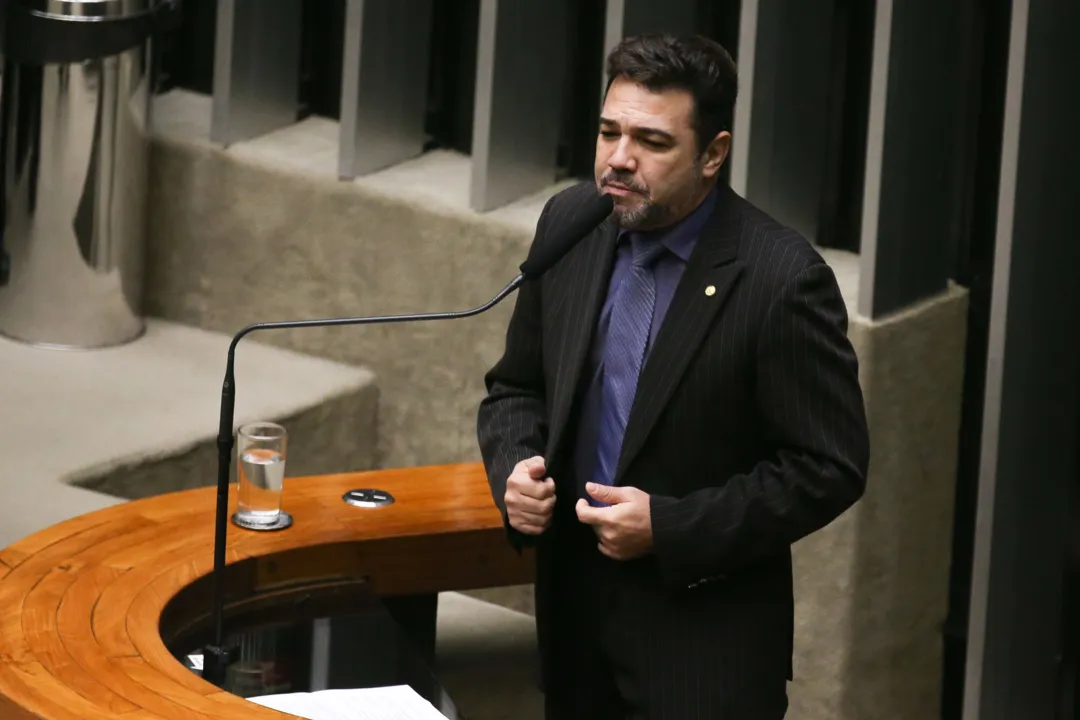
(609, 134)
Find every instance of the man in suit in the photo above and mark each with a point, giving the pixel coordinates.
(677, 403)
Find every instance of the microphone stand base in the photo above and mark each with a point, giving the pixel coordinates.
(216, 661)
(284, 520)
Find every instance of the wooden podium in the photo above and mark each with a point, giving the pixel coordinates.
(85, 603)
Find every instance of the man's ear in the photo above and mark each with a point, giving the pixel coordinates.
(715, 154)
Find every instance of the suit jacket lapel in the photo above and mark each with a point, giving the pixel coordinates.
(707, 281)
(585, 288)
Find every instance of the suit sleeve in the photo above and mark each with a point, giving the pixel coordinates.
(811, 407)
(512, 420)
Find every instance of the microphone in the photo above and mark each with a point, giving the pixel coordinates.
(584, 219)
(542, 256)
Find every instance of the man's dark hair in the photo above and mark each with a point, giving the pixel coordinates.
(695, 64)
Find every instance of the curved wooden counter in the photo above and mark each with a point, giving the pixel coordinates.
(82, 601)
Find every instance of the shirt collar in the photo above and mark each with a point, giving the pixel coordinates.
(681, 237)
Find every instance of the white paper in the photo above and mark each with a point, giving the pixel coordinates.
(397, 702)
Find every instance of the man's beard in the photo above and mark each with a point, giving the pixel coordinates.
(647, 213)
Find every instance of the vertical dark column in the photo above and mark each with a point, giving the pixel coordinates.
(1030, 426)
(913, 191)
(1069, 695)
(623, 18)
(851, 50)
(384, 84)
(187, 60)
(974, 269)
(322, 48)
(782, 116)
(520, 73)
(256, 68)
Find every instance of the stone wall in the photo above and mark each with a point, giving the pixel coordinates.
(234, 242)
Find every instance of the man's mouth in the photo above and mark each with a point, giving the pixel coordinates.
(619, 190)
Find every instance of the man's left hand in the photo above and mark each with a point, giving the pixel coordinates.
(625, 528)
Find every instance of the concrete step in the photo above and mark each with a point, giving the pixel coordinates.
(486, 659)
(81, 430)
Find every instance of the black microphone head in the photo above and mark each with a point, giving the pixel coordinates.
(581, 221)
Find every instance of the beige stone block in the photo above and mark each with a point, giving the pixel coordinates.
(236, 241)
(872, 588)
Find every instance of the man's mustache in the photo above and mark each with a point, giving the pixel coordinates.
(624, 182)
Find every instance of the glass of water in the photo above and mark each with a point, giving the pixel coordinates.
(260, 450)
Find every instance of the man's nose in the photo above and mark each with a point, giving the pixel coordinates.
(623, 158)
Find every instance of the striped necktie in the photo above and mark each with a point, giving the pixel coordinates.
(624, 354)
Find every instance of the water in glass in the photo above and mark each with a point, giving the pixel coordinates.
(262, 474)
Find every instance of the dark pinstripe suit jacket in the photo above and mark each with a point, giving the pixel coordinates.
(748, 431)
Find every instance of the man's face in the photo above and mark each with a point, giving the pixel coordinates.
(647, 155)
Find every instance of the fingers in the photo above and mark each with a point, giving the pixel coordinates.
(530, 523)
(587, 514)
(535, 489)
(530, 498)
(526, 506)
(610, 494)
(528, 479)
(536, 467)
(601, 520)
(604, 520)
(529, 529)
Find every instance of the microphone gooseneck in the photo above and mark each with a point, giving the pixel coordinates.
(216, 657)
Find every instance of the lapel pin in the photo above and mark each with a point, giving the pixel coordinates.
(711, 290)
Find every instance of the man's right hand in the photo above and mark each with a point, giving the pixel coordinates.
(530, 497)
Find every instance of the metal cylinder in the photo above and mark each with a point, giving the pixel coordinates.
(74, 131)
